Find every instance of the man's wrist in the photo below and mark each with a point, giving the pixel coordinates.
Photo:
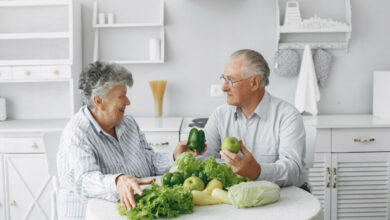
(257, 172)
(117, 179)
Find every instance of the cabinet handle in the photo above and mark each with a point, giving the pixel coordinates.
(12, 203)
(27, 73)
(328, 183)
(56, 72)
(335, 177)
(364, 140)
(34, 146)
(158, 144)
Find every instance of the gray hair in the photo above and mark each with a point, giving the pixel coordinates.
(100, 78)
(254, 64)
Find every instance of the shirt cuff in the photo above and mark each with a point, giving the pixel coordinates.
(267, 172)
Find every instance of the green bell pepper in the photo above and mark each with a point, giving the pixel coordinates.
(171, 179)
(196, 140)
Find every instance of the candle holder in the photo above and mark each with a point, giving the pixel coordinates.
(158, 89)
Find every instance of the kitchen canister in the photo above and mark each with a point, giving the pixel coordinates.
(3, 109)
(154, 49)
(102, 18)
(110, 18)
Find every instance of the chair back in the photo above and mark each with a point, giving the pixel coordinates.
(51, 141)
(311, 133)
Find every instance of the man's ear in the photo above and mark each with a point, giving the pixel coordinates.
(255, 82)
(98, 102)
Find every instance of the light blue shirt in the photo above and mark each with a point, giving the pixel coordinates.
(274, 134)
(89, 160)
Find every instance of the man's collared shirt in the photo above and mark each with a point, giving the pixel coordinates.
(274, 134)
(89, 160)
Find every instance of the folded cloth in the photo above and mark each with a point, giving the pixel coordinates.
(307, 94)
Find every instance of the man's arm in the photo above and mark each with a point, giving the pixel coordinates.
(286, 171)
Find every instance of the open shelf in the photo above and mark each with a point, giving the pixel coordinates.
(18, 3)
(124, 25)
(35, 80)
(141, 60)
(34, 62)
(47, 35)
(289, 29)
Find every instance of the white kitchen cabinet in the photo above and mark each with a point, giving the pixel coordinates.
(162, 134)
(350, 174)
(2, 195)
(27, 183)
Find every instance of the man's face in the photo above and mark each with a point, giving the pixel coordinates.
(237, 94)
(115, 104)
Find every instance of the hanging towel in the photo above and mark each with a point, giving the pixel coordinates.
(307, 94)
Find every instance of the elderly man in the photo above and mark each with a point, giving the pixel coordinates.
(271, 130)
(103, 153)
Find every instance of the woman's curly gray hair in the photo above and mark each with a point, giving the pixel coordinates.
(99, 78)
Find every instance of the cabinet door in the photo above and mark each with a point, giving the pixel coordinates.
(361, 185)
(28, 186)
(320, 180)
(2, 194)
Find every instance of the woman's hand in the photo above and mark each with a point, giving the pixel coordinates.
(182, 147)
(126, 186)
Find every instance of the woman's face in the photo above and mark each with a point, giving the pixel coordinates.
(115, 104)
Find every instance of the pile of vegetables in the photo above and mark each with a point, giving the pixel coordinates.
(184, 185)
(160, 201)
(210, 169)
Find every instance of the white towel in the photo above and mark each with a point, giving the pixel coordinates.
(307, 94)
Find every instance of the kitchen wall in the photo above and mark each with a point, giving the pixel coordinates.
(201, 34)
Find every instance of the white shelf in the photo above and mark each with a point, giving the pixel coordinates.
(158, 24)
(339, 28)
(18, 3)
(289, 29)
(47, 35)
(324, 45)
(133, 61)
(124, 25)
(34, 62)
(35, 80)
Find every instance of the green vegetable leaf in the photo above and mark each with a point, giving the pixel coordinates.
(160, 201)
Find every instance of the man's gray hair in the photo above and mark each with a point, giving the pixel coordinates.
(100, 78)
(254, 64)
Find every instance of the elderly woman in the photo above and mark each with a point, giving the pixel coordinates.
(103, 154)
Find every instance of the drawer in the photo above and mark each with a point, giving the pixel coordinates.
(360, 139)
(323, 142)
(5, 73)
(21, 145)
(41, 72)
(162, 141)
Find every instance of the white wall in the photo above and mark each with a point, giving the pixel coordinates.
(201, 34)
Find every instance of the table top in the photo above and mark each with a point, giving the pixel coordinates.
(294, 203)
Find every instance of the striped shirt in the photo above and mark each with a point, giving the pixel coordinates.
(274, 134)
(89, 160)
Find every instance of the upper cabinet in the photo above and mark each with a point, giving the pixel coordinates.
(294, 27)
(139, 31)
(40, 54)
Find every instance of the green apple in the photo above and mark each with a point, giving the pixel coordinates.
(194, 183)
(231, 144)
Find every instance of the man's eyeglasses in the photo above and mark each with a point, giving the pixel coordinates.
(230, 81)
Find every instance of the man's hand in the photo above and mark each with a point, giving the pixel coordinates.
(126, 186)
(245, 166)
(182, 147)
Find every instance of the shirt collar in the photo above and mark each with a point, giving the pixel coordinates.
(261, 110)
(119, 128)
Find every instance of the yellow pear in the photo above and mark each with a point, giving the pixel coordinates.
(221, 195)
(201, 198)
(213, 184)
